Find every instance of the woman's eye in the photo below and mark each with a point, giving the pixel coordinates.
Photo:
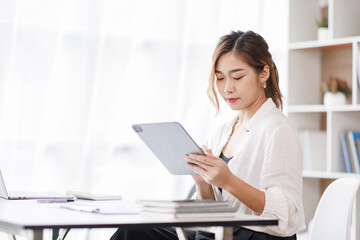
(238, 78)
(219, 79)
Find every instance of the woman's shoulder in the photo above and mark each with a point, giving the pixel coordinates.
(277, 120)
(268, 117)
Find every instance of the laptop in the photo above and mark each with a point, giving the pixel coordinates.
(29, 195)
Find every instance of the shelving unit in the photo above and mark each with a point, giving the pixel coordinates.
(309, 61)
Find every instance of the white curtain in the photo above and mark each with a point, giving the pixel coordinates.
(75, 74)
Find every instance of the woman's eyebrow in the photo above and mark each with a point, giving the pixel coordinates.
(231, 71)
(237, 70)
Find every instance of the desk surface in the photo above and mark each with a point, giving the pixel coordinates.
(28, 214)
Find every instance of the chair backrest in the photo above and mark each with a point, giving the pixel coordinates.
(191, 192)
(333, 214)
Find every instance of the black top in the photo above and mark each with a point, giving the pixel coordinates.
(227, 160)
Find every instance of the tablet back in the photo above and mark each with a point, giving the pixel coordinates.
(170, 143)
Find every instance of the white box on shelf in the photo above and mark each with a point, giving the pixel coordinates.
(314, 147)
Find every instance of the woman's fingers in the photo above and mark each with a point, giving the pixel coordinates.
(193, 164)
(196, 168)
(206, 150)
(199, 160)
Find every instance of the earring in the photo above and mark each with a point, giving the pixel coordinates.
(264, 84)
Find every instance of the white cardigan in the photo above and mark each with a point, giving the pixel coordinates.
(270, 159)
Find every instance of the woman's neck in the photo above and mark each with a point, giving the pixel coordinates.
(246, 114)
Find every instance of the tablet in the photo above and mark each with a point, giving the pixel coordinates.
(170, 143)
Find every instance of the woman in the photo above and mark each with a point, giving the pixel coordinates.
(262, 171)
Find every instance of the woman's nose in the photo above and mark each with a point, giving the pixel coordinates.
(229, 88)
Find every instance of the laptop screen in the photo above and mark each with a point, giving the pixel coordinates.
(3, 192)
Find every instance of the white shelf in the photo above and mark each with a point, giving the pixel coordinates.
(306, 108)
(322, 108)
(323, 44)
(328, 175)
(309, 62)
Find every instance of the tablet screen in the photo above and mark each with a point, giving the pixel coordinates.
(170, 143)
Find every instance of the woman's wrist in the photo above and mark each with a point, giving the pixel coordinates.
(204, 191)
(229, 182)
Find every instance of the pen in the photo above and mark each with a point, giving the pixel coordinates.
(54, 200)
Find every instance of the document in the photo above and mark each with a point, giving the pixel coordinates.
(118, 208)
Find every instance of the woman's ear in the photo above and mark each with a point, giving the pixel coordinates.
(265, 74)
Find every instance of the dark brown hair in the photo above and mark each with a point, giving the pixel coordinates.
(253, 49)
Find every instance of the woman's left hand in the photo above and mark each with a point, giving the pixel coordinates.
(212, 169)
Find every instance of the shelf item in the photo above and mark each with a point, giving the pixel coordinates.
(357, 58)
(350, 144)
(350, 167)
(314, 147)
(353, 144)
(331, 99)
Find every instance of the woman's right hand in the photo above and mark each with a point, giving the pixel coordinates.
(203, 188)
(197, 178)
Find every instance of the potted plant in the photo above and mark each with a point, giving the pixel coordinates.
(322, 24)
(335, 90)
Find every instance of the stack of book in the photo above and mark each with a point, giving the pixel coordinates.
(350, 146)
(314, 149)
(187, 208)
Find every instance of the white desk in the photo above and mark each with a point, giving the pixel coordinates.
(19, 216)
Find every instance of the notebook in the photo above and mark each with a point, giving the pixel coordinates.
(94, 196)
(29, 195)
(186, 203)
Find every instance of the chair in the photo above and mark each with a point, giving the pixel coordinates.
(333, 214)
(191, 192)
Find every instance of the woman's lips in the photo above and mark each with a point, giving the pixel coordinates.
(232, 100)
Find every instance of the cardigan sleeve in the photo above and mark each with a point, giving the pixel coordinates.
(281, 180)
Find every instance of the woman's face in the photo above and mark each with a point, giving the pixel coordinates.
(238, 83)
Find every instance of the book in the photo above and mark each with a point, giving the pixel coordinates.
(358, 68)
(356, 136)
(190, 209)
(345, 153)
(358, 147)
(190, 215)
(352, 151)
(182, 203)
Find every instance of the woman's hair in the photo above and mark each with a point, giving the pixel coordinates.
(253, 49)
